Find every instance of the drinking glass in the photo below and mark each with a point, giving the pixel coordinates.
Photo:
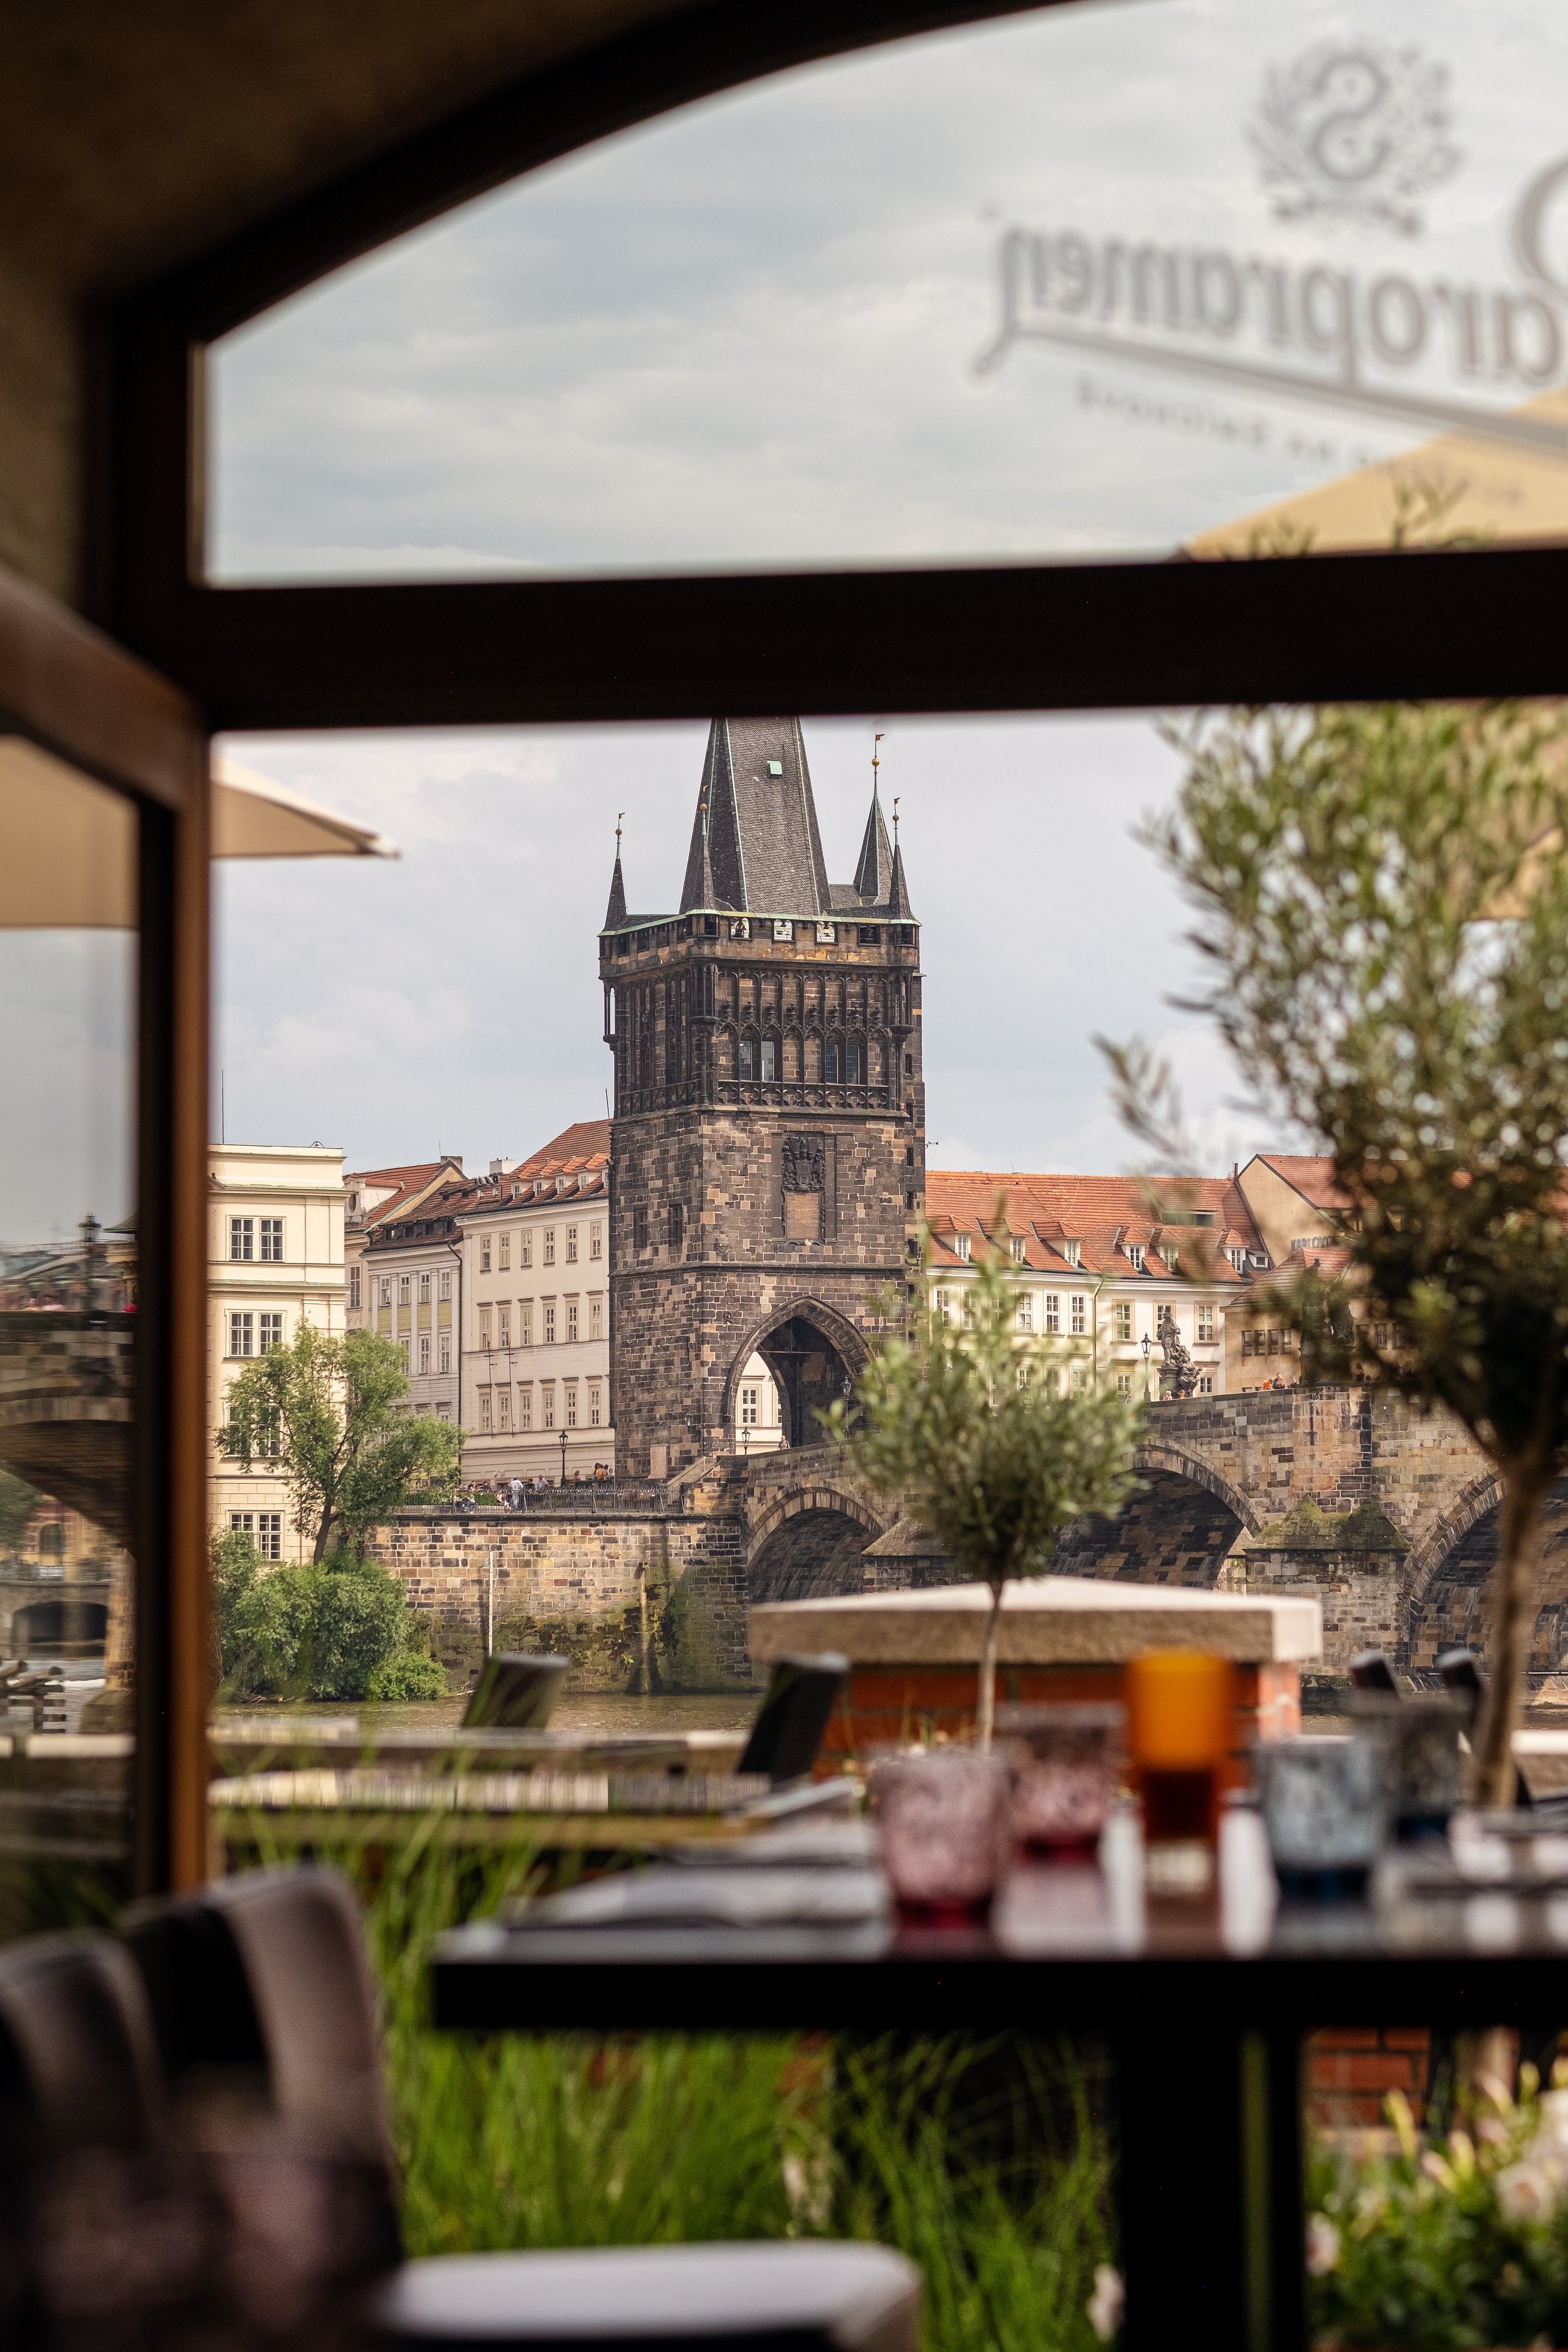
(943, 1829)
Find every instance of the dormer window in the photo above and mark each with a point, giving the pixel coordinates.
(961, 1244)
(1135, 1257)
(1070, 1252)
(1236, 1256)
(1017, 1248)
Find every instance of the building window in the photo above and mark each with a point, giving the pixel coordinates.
(769, 1061)
(1124, 1319)
(445, 1287)
(353, 1285)
(424, 1290)
(595, 1413)
(1070, 1252)
(1079, 1323)
(525, 1247)
(595, 1242)
(403, 1282)
(240, 1523)
(525, 1407)
(272, 1241)
(1135, 1257)
(406, 1349)
(484, 1409)
(744, 1062)
(1124, 1385)
(242, 1335)
(547, 1404)
(242, 1238)
(484, 1252)
(1206, 1384)
(1238, 1258)
(1053, 1311)
(570, 1319)
(852, 1054)
(503, 1326)
(484, 1326)
(830, 1063)
(503, 1408)
(269, 1534)
(570, 1404)
(549, 1323)
(595, 1318)
(1080, 1379)
(750, 1412)
(1025, 1314)
(1016, 1243)
(639, 1226)
(424, 1354)
(870, 935)
(503, 1260)
(571, 1244)
(550, 1245)
(446, 1353)
(961, 1246)
(1053, 1380)
(270, 1334)
(968, 1310)
(525, 1323)
(386, 1290)
(676, 1218)
(1205, 1324)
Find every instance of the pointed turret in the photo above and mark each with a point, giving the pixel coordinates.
(875, 871)
(754, 841)
(616, 912)
(898, 906)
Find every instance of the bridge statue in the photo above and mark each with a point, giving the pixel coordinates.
(1178, 1373)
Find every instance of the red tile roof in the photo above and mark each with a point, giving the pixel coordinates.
(587, 1141)
(1104, 1215)
(1312, 1176)
(405, 1183)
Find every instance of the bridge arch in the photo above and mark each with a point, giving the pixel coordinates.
(811, 1350)
(1473, 1503)
(808, 1545)
(1178, 1530)
(1178, 1462)
(1448, 1608)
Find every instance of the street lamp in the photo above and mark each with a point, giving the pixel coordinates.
(1146, 1367)
(563, 1457)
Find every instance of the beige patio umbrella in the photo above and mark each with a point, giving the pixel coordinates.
(67, 846)
(1485, 489)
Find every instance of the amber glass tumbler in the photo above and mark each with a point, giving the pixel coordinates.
(1180, 1730)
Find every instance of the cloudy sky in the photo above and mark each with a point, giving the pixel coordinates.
(748, 334)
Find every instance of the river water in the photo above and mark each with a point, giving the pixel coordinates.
(592, 1713)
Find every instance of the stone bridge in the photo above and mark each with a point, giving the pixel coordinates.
(67, 1409)
(1388, 1514)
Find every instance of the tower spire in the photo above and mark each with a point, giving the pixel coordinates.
(616, 912)
(875, 871)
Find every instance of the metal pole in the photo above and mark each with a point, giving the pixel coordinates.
(490, 1612)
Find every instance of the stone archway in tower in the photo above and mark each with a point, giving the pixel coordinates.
(814, 1356)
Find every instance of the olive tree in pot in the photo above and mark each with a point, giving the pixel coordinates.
(1382, 904)
(975, 1426)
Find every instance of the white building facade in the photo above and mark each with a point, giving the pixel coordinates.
(535, 1367)
(412, 1284)
(275, 1261)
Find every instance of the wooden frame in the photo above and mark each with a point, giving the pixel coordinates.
(1001, 637)
(83, 697)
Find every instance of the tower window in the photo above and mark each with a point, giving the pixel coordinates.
(710, 927)
(909, 1065)
(745, 1061)
(830, 1064)
(769, 1061)
(675, 1214)
(639, 1226)
(852, 1054)
(776, 767)
(870, 935)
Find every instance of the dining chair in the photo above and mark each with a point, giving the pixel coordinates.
(295, 1958)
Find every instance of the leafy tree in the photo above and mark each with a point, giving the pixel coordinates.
(327, 1411)
(342, 1631)
(17, 1503)
(1383, 900)
(979, 1431)
(407, 1673)
(236, 1565)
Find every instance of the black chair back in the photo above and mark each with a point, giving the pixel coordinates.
(515, 1691)
(793, 1717)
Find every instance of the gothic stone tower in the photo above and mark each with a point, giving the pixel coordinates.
(768, 1146)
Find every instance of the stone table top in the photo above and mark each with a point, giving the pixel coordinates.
(1046, 1621)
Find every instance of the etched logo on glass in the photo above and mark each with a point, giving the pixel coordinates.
(1354, 131)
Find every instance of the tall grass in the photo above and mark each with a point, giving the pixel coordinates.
(988, 2171)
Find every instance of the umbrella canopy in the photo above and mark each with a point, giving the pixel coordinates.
(70, 860)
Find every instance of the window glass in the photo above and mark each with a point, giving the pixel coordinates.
(68, 1320)
(1215, 274)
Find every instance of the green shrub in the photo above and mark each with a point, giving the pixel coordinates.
(407, 1673)
(312, 1633)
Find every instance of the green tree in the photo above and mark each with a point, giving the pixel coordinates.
(329, 1411)
(979, 1431)
(1383, 902)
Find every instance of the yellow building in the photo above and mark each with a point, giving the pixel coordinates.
(275, 1258)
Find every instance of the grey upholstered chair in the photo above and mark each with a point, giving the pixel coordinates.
(263, 1978)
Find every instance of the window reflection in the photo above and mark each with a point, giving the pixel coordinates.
(68, 1324)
